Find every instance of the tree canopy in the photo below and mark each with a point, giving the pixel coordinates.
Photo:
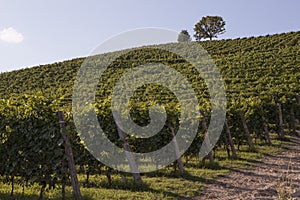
(184, 36)
(209, 27)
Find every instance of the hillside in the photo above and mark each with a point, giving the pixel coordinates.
(261, 76)
(256, 65)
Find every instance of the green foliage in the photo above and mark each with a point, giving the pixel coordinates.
(184, 36)
(31, 146)
(164, 184)
(258, 73)
(209, 27)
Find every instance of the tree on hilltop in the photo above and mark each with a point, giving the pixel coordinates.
(209, 27)
(184, 36)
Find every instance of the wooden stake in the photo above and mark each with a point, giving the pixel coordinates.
(281, 128)
(207, 141)
(69, 153)
(267, 132)
(177, 152)
(292, 122)
(230, 140)
(133, 166)
(247, 132)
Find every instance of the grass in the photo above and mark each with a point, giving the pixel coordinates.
(164, 184)
(285, 186)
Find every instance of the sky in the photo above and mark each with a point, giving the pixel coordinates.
(35, 32)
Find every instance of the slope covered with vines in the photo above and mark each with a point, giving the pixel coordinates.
(261, 76)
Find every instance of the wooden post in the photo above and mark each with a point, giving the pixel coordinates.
(12, 186)
(267, 132)
(64, 181)
(177, 152)
(298, 98)
(70, 157)
(247, 132)
(124, 180)
(230, 140)
(226, 144)
(132, 164)
(63, 187)
(108, 176)
(207, 142)
(292, 122)
(281, 128)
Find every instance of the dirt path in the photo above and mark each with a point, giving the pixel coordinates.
(262, 181)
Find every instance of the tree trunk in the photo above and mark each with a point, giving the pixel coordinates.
(226, 146)
(42, 190)
(230, 140)
(63, 187)
(267, 133)
(247, 132)
(23, 191)
(12, 186)
(177, 152)
(108, 176)
(175, 166)
(132, 164)
(281, 127)
(81, 167)
(70, 157)
(298, 106)
(64, 179)
(87, 180)
(123, 179)
(41, 194)
(293, 123)
(211, 158)
(298, 98)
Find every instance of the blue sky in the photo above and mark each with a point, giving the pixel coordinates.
(35, 32)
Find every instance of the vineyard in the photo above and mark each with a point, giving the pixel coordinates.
(261, 77)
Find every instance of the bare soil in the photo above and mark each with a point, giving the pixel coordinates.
(274, 175)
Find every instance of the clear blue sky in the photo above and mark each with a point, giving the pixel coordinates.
(34, 32)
